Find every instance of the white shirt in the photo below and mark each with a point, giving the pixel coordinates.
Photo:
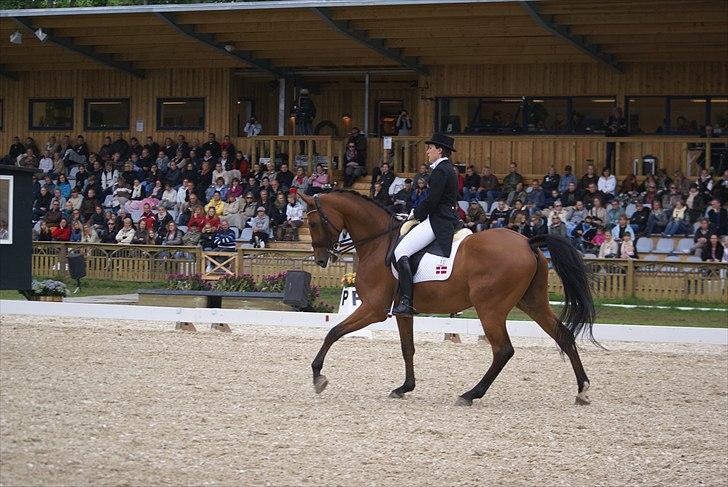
(294, 212)
(434, 164)
(607, 185)
(181, 194)
(45, 164)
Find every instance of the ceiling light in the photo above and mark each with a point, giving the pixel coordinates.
(229, 47)
(42, 36)
(16, 37)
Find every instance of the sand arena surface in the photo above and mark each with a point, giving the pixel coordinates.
(84, 402)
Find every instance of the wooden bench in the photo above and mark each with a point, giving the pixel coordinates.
(209, 299)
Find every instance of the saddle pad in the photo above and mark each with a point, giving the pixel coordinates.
(436, 268)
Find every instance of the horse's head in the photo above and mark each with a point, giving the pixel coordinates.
(325, 224)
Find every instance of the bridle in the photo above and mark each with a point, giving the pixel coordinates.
(342, 246)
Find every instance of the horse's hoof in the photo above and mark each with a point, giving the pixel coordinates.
(582, 399)
(320, 383)
(463, 401)
(396, 395)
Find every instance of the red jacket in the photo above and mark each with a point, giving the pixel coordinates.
(61, 234)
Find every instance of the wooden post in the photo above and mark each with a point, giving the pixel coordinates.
(629, 284)
(330, 153)
(309, 154)
(291, 156)
(407, 163)
(708, 154)
(253, 151)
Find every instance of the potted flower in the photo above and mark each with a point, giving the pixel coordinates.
(48, 290)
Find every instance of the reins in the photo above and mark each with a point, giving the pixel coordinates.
(342, 246)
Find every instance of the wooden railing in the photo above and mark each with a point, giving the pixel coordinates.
(535, 153)
(612, 278)
(307, 149)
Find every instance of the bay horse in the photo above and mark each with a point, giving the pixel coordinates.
(494, 271)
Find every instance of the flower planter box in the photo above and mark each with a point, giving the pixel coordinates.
(55, 299)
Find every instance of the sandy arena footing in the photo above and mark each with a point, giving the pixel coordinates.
(84, 402)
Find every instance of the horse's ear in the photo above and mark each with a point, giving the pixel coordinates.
(306, 198)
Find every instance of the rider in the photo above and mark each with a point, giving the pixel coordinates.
(436, 214)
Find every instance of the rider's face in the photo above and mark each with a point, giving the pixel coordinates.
(433, 153)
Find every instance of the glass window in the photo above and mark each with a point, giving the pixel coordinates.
(479, 115)
(548, 114)
(688, 115)
(646, 115)
(106, 114)
(719, 114)
(51, 114)
(589, 115)
(181, 113)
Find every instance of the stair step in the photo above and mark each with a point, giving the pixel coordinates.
(289, 246)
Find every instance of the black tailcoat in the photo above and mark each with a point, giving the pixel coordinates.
(440, 203)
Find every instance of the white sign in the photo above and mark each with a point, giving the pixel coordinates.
(6, 210)
(140, 125)
(387, 141)
(349, 300)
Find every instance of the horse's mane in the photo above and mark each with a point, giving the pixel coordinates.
(364, 198)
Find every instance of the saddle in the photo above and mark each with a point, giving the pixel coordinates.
(433, 250)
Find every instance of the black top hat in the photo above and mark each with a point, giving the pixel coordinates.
(442, 140)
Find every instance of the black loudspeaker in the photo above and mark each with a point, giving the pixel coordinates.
(76, 265)
(295, 293)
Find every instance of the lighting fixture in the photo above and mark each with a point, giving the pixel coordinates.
(42, 36)
(16, 37)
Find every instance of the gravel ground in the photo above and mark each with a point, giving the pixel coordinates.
(84, 402)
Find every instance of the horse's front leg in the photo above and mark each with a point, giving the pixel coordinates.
(406, 337)
(360, 318)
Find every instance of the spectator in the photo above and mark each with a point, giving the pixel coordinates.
(284, 177)
(42, 204)
(277, 212)
(557, 210)
(108, 236)
(588, 178)
(173, 236)
(518, 194)
(215, 204)
(535, 227)
(420, 193)
(694, 203)
(614, 212)
(89, 234)
(76, 231)
(194, 233)
(621, 229)
(142, 235)
(403, 124)
(626, 249)
(353, 169)
(557, 227)
(318, 181)
(182, 146)
(535, 199)
(360, 143)
(212, 145)
(384, 176)
(231, 212)
(45, 163)
(304, 112)
(121, 147)
(235, 189)
(638, 220)
(126, 234)
(380, 195)
(566, 180)
(75, 199)
(252, 127)
(671, 197)
(714, 250)
(28, 159)
(16, 150)
(294, 220)
(207, 237)
(476, 219)
(424, 172)
(616, 127)
(609, 248)
(61, 233)
(551, 180)
(597, 211)
(701, 237)
(402, 201)
(551, 199)
(501, 215)
(607, 184)
(678, 222)
(489, 187)
(44, 233)
(261, 229)
(718, 217)
(512, 179)
(163, 220)
(658, 219)
(212, 218)
(471, 184)
(224, 239)
(54, 215)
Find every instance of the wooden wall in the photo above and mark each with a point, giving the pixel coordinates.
(212, 84)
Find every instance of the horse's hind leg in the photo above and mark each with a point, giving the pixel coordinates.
(406, 337)
(542, 314)
(494, 326)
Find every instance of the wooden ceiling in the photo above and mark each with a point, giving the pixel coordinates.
(298, 39)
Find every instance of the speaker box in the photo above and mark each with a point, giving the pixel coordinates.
(295, 293)
(76, 265)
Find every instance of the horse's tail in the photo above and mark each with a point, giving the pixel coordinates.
(578, 313)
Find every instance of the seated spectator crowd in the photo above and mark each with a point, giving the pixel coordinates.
(596, 213)
(174, 193)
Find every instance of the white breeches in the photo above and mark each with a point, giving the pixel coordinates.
(417, 239)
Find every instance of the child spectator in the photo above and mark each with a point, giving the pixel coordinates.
(261, 229)
(626, 250)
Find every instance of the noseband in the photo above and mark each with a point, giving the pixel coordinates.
(342, 246)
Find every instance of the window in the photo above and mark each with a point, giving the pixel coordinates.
(547, 114)
(387, 114)
(107, 114)
(180, 113)
(687, 115)
(646, 114)
(479, 115)
(719, 114)
(589, 115)
(51, 114)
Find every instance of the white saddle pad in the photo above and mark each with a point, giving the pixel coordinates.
(436, 268)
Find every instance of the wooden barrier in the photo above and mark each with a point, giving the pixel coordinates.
(612, 278)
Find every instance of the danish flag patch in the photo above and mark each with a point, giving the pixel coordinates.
(441, 269)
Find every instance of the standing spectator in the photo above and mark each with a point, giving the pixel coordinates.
(718, 217)
(305, 112)
(261, 229)
(403, 125)
(253, 127)
(616, 127)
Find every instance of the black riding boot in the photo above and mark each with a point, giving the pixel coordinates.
(404, 308)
